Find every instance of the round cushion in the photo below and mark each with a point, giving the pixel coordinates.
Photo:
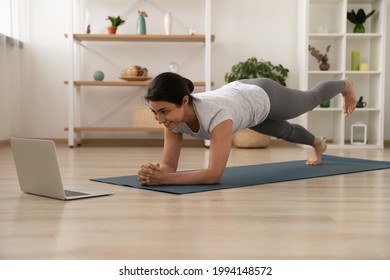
(248, 138)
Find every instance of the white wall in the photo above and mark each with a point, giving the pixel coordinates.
(387, 80)
(262, 28)
(44, 104)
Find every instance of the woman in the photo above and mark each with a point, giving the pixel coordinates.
(259, 104)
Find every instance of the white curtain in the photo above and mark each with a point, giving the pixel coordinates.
(10, 86)
(13, 60)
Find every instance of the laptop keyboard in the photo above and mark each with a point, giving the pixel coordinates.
(69, 193)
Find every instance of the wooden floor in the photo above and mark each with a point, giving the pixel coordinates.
(338, 217)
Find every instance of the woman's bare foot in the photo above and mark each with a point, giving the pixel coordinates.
(349, 97)
(319, 147)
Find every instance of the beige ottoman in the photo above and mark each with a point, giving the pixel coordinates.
(248, 138)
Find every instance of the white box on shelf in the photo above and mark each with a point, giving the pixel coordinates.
(358, 134)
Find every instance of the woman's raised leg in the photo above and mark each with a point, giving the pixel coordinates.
(289, 103)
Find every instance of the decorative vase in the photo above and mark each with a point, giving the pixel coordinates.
(355, 60)
(361, 103)
(359, 28)
(98, 76)
(324, 65)
(192, 30)
(325, 104)
(173, 67)
(168, 24)
(87, 23)
(111, 29)
(141, 25)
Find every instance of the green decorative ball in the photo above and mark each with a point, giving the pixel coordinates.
(98, 76)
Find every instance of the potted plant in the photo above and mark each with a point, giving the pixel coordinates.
(323, 58)
(358, 19)
(253, 68)
(115, 22)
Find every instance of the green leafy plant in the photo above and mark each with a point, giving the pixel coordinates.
(360, 17)
(252, 68)
(116, 21)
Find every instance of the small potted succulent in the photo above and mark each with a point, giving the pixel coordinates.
(115, 22)
(358, 19)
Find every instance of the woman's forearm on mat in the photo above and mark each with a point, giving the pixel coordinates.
(197, 177)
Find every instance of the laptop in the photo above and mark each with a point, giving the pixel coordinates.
(39, 173)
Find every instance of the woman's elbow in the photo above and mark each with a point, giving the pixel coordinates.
(215, 178)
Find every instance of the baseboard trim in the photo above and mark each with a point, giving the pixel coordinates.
(135, 142)
(152, 142)
(98, 142)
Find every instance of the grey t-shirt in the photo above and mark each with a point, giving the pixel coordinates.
(246, 105)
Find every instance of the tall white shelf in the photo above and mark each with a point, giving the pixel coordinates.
(74, 83)
(322, 23)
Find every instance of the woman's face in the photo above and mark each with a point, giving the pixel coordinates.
(167, 113)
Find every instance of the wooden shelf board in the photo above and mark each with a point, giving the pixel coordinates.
(123, 83)
(364, 35)
(340, 110)
(140, 38)
(117, 129)
(109, 83)
(339, 72)
(325, 36)
(350, 72)
(330, 109)
(330, 72)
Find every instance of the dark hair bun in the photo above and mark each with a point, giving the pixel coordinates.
(169, 87)
(190, 85)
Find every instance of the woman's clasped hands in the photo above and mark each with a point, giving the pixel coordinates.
(150, 174)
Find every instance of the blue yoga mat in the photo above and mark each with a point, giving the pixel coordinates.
(249, 175)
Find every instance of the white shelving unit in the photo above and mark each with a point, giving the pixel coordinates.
(323, 23)
(74, 83)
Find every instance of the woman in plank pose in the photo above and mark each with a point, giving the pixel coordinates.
(259, 104)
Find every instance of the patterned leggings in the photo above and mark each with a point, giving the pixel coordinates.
(289, 103)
